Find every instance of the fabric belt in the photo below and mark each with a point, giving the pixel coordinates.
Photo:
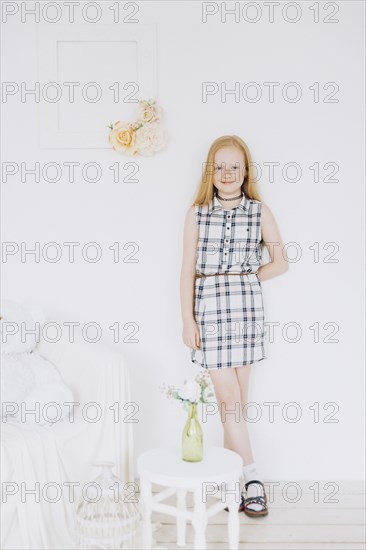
(200, 275)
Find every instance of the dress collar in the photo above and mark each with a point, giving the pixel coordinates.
(215, 204)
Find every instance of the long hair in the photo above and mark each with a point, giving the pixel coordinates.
(206, 187)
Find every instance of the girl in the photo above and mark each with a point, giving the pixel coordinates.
(221, 294)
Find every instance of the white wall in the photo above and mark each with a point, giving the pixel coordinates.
(313, 293)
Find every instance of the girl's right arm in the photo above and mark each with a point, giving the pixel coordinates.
(191, 335)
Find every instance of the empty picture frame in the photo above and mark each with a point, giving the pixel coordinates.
(91, 77)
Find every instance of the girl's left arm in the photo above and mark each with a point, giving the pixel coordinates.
(272, 240)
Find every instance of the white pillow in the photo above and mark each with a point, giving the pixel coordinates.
(17, 377)
(15, 321)
(29, 382)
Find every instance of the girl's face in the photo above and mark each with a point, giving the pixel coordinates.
(229, 170)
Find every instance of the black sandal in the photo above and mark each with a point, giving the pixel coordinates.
(261, 500)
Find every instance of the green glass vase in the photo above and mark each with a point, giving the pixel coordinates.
(192, 440)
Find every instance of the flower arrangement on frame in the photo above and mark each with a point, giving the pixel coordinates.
(145, 136)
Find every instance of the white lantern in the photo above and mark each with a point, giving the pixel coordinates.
(109, 518)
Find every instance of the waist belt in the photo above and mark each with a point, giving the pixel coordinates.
(200, 275)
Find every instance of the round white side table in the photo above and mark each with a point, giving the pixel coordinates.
(217, 475)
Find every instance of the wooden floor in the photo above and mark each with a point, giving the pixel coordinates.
(318, 516)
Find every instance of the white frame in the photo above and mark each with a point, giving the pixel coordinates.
(49, 36)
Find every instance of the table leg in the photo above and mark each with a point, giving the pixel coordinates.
(181, 522)
(233, 500)
(146, 510)
(199, 521)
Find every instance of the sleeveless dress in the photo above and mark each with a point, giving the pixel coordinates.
(229, 309)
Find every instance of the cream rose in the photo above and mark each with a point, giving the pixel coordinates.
(148, 112)
(122, 137)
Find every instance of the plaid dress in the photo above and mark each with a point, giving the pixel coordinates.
(229, 310)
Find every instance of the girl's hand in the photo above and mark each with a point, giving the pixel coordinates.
(191, 335)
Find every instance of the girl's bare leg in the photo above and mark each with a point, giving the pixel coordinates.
(231, 390)
(243, 375)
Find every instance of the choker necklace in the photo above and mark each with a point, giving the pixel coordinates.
(233, 199)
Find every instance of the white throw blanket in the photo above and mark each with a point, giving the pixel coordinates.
(29, 453)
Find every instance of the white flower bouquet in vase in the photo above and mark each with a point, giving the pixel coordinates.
(192, 393)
